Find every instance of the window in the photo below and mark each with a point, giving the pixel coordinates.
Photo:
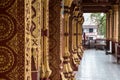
(90, 38)
(91, 30)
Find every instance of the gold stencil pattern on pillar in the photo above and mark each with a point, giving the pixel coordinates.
(80, 48)
(67, 69)
(11, 59)
(76, 59)
(6, 4)
(6, 59)
(45, 38)
(7, 27)
(54, 38)
(62, 41)
(35, 30)
(27, 40)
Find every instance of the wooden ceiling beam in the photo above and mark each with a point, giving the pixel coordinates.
(92, 9)
(96, 4)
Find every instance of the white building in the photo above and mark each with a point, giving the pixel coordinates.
(91, 31)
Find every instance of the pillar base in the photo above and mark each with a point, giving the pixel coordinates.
(74, 66)
(113, 47)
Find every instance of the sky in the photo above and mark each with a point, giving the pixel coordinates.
(87, 19)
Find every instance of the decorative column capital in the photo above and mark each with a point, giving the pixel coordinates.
(115, 7)
(81, 20)
(110, 11)
(66, 9)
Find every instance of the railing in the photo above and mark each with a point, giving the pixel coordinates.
(118, 53)
(100, 43)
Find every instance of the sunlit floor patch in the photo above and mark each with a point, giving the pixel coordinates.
(95, 65)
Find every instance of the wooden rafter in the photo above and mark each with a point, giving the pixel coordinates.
(98, 5)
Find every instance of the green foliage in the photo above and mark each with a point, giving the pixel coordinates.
(100, 20)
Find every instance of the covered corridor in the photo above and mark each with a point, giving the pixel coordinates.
(96, 65)
(42, 39)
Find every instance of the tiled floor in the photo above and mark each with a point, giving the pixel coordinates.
(95, 65)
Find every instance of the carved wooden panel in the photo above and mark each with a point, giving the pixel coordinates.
(12, 40)
(54, 38)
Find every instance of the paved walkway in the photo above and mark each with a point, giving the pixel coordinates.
(95, 65)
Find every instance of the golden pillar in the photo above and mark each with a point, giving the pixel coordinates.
(119, 22)
(80, 22)
(45, 70)
(62, 39)
(27, 40)
(116, 23)
(75, 57)
(112, 29)
(73, 63)
(79, 32)
(107, 25)
(35, 39)
(108, 29)
(74, 25)
(15, 40)
(67, 70)
(111, 24)
(54, 39)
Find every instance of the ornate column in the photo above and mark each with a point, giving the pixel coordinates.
(28, 40)
(73, 63)
(45, 73)
(80, 22)
(74, 38)
(107, 25)
(35, 31)
(118, 48)
(54, 39)
(62, 40)
(74, 51)
(111, 24)
(15, 55)
(107, 30)
(116, 23)
(67, 70)
(79, 32)
(119, 22)
(111, 31)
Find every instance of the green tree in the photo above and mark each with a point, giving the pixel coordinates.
(100, 20)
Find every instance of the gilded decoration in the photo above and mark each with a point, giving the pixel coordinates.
(6, 59)
(15, 73)
(13, 44)
(46, 38)
(35, 33)
(4, 4)
(11, 32)
(54, 51)
(7, 27)
(67, 69)
(35, 30)
(13, 10)
(27, 40)
(74, 40)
